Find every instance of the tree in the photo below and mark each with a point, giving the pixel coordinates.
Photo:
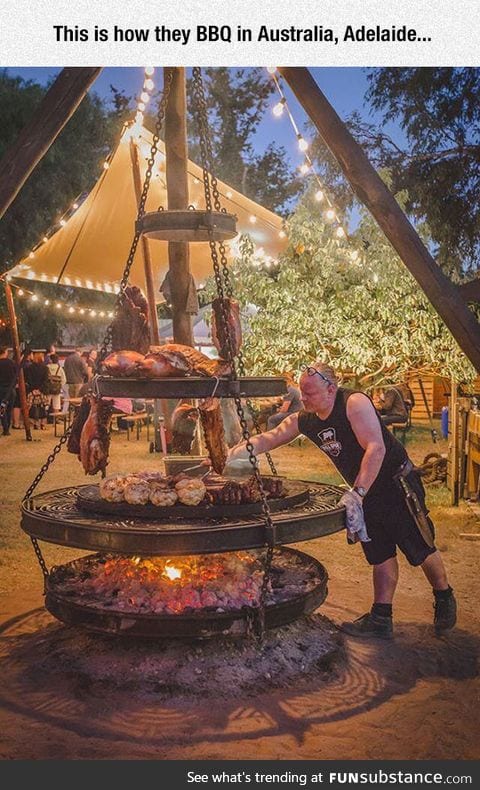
(355, 305)
(439, 112)
(237, 100)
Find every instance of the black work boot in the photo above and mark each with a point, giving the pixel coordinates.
(370, 625)
(445, 610)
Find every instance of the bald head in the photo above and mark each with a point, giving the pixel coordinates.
(318, 385)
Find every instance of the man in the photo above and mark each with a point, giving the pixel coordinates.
(76, 373)
(8, 375)
(345, 425)
(392, 407)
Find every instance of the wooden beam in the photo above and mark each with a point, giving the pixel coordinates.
(22, 392)
(48, 120)
(470, 291)
(372, 192)
(176, 153)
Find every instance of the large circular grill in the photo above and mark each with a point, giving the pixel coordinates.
(75, 517)
(56, 517)
(309, 590)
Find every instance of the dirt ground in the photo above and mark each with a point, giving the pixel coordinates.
(414, 698)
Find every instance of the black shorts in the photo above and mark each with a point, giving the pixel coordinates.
(390, 524)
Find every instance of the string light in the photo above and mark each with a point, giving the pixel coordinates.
(271, 69)
(71, 309)
(63, 222)
(34, 298)
(45, 239)
(106, 165)
(302, 143)
(330, 214)
(144, 97)
(279, 108)
(46, 302)
(304, 169)
(281, 234)
(340, 232)
(74, 206)
(141, 106)
(149, 84)
(253, 219)
(31, 254)
(319, 196)
(149, 71)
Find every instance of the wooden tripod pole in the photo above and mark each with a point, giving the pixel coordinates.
(176, 153)
(370, 189)
(53, 112)
(18, 359)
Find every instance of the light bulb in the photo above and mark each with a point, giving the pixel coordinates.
(229, 195)
(31, 255)
(71, 309)
(58, 306)
(253, 219)
(93, 313)
(141, 106)
(149, 85)
(278, 109)
(106, 165)
(46, 302)
(101, 314)
(110, 315)
(20, 292)
(340, 233)
(302, 143)
(82, 311)
(45, 238)
(304, 169)
(271, 69)
(139, 117)
(144, 97)
(75, 206)
(34, 297)
(63, 222)
(319, 195)
(149, 70)
(330, 214)
(281, 234)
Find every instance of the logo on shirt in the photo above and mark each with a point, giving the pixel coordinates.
(329, 443)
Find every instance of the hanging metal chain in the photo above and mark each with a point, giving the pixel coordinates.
(123, 284)
(107, 341)
(219, 268)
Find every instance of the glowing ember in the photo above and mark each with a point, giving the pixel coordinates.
(172, 585)
(172, 573)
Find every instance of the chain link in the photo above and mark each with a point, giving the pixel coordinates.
(106, 344)
(107, 341)
(223, 283)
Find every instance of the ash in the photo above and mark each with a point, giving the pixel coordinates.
(288, 657)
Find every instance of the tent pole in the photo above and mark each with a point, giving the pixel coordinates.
(147, 260)
(176, 153)
(53, 112)
(370, 189)
(18, 359)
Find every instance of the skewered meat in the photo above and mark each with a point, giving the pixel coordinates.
(219, 336)
(190, 491)
(130, 326)
(95, 437)
(212, 424)
(187, 360)
(184, 422)
(123, 363)
(137, 492)
(73, 444)
(161, 496)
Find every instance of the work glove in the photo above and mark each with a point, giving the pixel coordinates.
(354, 518)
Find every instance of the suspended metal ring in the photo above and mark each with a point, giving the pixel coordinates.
(188, 225)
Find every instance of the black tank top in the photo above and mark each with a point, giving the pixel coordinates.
(335, 437)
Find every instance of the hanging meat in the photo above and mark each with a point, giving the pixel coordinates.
(130, 328)
(184, 423)
(73, 443)
(95, 436)
(219, 334)
(185, 360)
(123, 363)
(212, 424)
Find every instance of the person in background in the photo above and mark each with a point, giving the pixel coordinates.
(291, 403)
(8, 375)
(26, 361)
(55, 369)
(92, 362)
(48, 353)
(391, 406)
(38, 397)
(76, 373)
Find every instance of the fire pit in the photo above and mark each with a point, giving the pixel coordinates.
(194, 596)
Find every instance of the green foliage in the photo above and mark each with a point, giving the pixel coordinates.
(354, 305)
(439, 112)
(237, 100)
